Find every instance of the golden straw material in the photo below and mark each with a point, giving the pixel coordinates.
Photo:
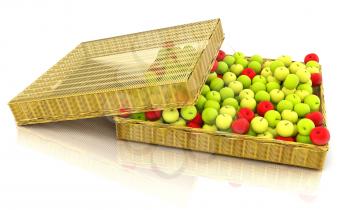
(125, 74)
(224, 143)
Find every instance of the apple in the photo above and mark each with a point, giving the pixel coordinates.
(248, 102)
(267, 63)
(153, 115)
(246, 93)
(295, 130)
(313, 101)
(197, 119)
(311, 57)
(272, 79)
(230, 110)
(212, 104)
(245, 113)
(211, 76)
(284, 105)
(255, 65)
(289, 115)
(316, 117)
(240, 126)
(303, 139)
(226, 92)
(312, 69)
(295, 66)
(291, 81)
(193, 125)
(259, 124)
(266, 134)
(285, 128)
(272, 85)
(262, 96)
(313, 64)
(213, 95)
(302, 94)
(259, 78)
(245, 80)
(211, 128)
(236, 86)
(231, 102)
(170, 115)
(242, 61)
(306, 87)
(320, 136)
(302, 109)
(200, 103)
(275, 64)
(251, 132)
(223, 121)
(305, 126)
(138, 116)
(294, 98)
(258, 86)
(221, 55)
(215, 66)
(264, 107)
(316, 79)
(304, 75)
(287, 91)
(276, 95)
(179, 122)
(284, 138)
(236, 69)
(265, 72)
(249, 72)
(216, 84)
(229, 77)
(286, 60)
(205, 89)
(237, 55)
(209, 115)
(188, 112)
(229, 60)
(272, 131)
(281, 73)
(257, 58)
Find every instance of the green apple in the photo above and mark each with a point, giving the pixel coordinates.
(272, 85)
(211, 76)
(294, 98)
(272, 131)
(211, 128)
(266, 134)
(212, 104)
(259, 124)
(257, 87)
(138, 116)
(272, 117)
(262, 96)
(284, 105)
(265, 72)
(276, 95)
(302, 109)
(259, 78)
(251, 132)
(188, 112)
(304, 75)
(223, 121)
(205, 89)
(245, 80)
(248, 102)
(286, 91)
(295, 66)
(179, 122)
(289, 115)
(312, 69)
(236, 69)
(229, 60)
(303, 139)
(291, 81)
(267, 63)
(230, 110)
(275, 64)
(302, 94)
(255, 65)
(281, 73)
(229, 77)
(236, 86)
(306, 87)
(222, 67)
(170, 115)
(257, 58)
(272, 79)
(226, 92)
(285, 128)
(216, 84)
(213, 95)
(313, 64)
(209, 115)
(231, 102)
(200, 103)
(287, 60)
(305, 126)
(246, 93)
(237, 55)
(313, 101)
(244, 62)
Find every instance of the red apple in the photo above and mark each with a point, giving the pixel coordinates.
(153, 115)
(193, 125)
(221, 55)
(285, 138)
(316, 117)
(197, 119)
(240, 126)
(214, 67)
(219, 76)
(263, 107)
(311, 57)
(319, 136)
(246, 114)
(249, 72)
(316, 79)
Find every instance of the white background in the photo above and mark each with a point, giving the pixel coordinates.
(79, 165)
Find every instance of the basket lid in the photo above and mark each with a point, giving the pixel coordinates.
(125, 74)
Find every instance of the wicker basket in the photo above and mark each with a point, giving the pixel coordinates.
(258, 148)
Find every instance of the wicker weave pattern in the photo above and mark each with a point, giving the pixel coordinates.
(125, 74)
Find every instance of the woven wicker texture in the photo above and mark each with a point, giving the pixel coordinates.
(125, 74)
(258, 148)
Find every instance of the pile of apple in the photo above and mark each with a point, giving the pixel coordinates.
(256, 97)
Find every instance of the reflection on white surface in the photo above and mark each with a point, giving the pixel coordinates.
(91, 144)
